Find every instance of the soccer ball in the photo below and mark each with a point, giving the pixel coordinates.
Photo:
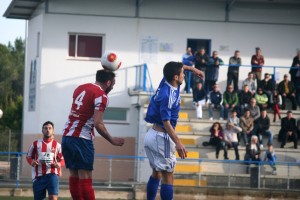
(110, 61)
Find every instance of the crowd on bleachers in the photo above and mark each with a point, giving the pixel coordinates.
(248, 106)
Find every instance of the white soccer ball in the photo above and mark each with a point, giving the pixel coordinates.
(110, 61)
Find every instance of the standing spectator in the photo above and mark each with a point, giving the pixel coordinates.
(262, 128)
(46, 159)
(295, 68)
(298, 129)
(257, 61)
(247, 125)
(245, 97)
(231, 139)
(212, 71)
(288, 130)
(287, 90)
(199, 98)
(201, 62)
(230, 100)
(251, 82)
(87, 110)
(215, 101)
(268, 86)
(217, 138)
(233, 70)
(188, 60)
(252, 151)
(276, 102)
(254, 109)
(270, 156)
(261, 99)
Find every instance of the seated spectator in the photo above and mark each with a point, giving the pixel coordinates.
(199, 98)
(252, 151)
(245, 97)
(288, 130)
(217, 138)
(236, 122)
(215, 100)
(270, 156)
(254, 109)
(231, 139)
(251, 82)
(276, 103)
(247, 125)
(287, 90)
(262, 128)
(267, 85)
(230, 100)
(261, 99)
(212, 71)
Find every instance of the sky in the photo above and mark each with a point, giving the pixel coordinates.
(10, 29)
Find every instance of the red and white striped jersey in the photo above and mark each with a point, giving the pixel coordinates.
(46, 153)
(86, 98)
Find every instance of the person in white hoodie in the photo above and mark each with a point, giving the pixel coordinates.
(231, 139)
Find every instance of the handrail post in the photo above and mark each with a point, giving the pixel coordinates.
(189, 82)
(145, 77)
(110, 171)
(288, 180)
(18, 170)
(199, 173)
(229, 172)
(259, 168)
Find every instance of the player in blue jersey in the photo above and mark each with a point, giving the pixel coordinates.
(161, 142)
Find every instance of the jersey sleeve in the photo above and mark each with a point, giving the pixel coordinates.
(165, 105)
(101, 102)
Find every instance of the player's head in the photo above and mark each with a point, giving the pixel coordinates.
(106, 78)
(48, 129)
(173, 71)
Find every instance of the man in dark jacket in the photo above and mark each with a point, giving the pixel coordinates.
(288, 130)
(268, 86)
(212, 71)
(287, 90)
(215, 100)
(245, 97)
(262, 128)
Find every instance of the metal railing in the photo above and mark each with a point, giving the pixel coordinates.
(115, 171)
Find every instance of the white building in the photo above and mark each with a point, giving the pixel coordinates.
(62, 37)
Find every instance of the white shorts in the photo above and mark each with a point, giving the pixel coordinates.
(160, 150)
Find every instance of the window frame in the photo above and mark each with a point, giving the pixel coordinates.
(111, 121)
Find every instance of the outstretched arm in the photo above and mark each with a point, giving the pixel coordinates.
(194, 70)
(99, 125)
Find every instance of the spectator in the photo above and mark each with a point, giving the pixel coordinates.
(230, 100)
(250, 81)
(254, 109)
(270, 156)
(215, 101)
(276, 103)
(199, 98)
(252, 151)
(287, 90)
(257, 61)
(236, 122)
(247, 125)
(217, 138)
(268, 86)
(295, 69)
(262, 128)
(231, 139)
(188, 59)
(245, 97)
(201, 62)
(288, 130)
(212, 71)
(233, 70)
(261, 99)
(298, 129)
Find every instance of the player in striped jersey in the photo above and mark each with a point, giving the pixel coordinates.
(46, 160)
(161, 141)
(89, 103)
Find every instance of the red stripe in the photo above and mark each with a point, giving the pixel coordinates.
(35, 157)
(54, 144)
(78, 128)
(44, 149)
(68, 128)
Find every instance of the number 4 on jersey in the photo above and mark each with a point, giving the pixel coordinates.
(78, 100)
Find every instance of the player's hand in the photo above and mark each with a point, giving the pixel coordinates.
(34, 163)
(55, 165)
(199, 73)
(117, 141)
(181, 151)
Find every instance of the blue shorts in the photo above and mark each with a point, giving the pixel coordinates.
(47, 182)
(78, 153)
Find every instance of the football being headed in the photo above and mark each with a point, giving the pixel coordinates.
(110, 61)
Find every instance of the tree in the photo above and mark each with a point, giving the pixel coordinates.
(11, 90)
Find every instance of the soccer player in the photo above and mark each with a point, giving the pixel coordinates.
(88, 106)
(46, 160)
(161, 142)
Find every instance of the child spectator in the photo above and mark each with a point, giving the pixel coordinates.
(276, 102)
(217, 138)
(199, 98)
(270, 156)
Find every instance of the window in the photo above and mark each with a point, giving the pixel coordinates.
(115, 114)
(89, 46)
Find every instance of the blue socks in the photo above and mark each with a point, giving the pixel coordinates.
(152, 187)
(166, 192)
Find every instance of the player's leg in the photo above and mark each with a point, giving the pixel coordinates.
(152, 185)
(86, 184)
(39, 188)
(74, 186)
(52, 186)
(166, 188)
